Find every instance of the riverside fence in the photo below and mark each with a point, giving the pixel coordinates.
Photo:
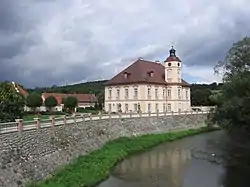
(19, 125)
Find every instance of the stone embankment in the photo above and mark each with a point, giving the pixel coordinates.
(35, 154)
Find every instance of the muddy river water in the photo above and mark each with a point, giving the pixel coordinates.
(197, 161)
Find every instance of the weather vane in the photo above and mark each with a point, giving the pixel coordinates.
(172, 44)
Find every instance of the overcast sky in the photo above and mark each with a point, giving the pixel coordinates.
(53, 42)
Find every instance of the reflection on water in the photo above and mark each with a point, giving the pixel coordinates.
(140, 168)
(190, 162)
(238, 161)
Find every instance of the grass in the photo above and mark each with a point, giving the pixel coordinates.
(89, 170)
(31, 117)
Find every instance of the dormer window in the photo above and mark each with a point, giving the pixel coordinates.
(126, 75)
(151, 73)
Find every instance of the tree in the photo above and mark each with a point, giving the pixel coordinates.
(50, 102)
(34, 100)
(233, 110)
(11, 103)
(70, 103)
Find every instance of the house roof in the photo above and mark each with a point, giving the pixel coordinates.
(139, 72)
(80, 97)
(19, 89)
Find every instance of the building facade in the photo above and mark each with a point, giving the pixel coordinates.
(147, 86)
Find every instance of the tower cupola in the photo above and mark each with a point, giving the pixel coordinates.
(172, 56)
(172, 67)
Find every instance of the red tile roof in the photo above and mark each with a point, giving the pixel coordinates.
(19, 89)
(139, 72)
(172, 58)
(80, 97)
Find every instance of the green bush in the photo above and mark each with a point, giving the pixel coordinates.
(87, 110)
(89, 170)
(11, 103)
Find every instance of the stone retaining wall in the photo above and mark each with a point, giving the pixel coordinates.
(33, 155)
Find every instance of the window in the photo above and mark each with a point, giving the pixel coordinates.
(169, 107)
(109, 107)
(135, 107)
(149, 94)
(163, 93)
(179, 107)
(149, 107)
(125, 75)
(178, 71)
(179, 93)
(186, 94)
(117, 107)
(136, 93)
(156, 93)
(169, 79)
(156, 107)
(118, 93)
(126, 93)
(169, 93)
(126, 107)
(110, 93)
(164, 107)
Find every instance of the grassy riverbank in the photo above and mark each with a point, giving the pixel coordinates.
(89, 170)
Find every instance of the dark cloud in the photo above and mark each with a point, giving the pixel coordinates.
(54, 42)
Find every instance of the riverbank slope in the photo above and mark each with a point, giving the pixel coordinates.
(95, 167)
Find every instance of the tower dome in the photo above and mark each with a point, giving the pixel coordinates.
(172, 56)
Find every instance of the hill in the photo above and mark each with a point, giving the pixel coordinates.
(95, 87)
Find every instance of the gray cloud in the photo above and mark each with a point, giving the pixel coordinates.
(54, 42)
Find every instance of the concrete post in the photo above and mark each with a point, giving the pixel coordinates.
(157, 112)
(38, 123)
(100, 116)
(83, 117)
(19, 125)
(65, 120)
(149, 113)
(90, 117)
(52, 119)
(74, 117)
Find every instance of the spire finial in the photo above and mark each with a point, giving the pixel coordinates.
(172, 51)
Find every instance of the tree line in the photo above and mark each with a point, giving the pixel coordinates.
(12, 103)
(200, 93)
(34, 100)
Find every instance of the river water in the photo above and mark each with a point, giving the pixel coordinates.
(198, 161)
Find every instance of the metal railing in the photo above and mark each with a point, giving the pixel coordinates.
(19, 125)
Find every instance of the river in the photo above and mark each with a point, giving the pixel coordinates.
(197, 161)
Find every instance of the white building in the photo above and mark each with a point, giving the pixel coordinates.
(149, 87)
